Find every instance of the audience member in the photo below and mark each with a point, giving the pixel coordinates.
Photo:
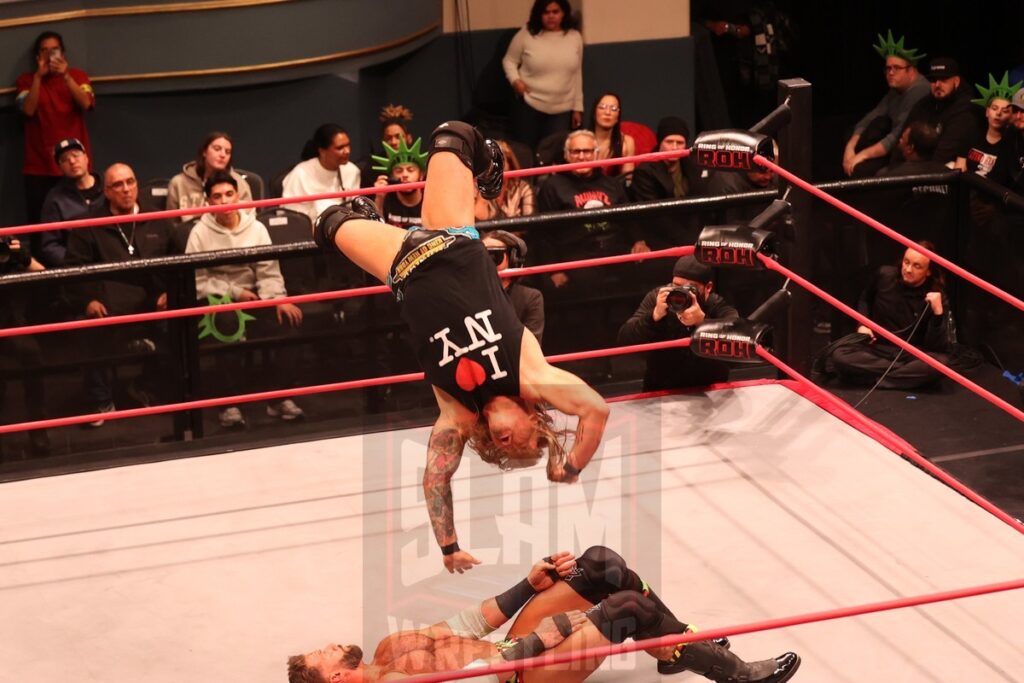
(516, 198)
(672, 312)
(70, 198)
(325, 168)
(214, 155)
(910, 302)
(131, 292)
(948, 109)
(1018, 109)
(394, 127)
(875, 135)
(992, 155)
(402, 165)
(606, 122)
(917, 145)
(544, 64)
(53, 98)
(509, 251)
(244, 282)
(668, 179)
(731, 182)
(24, 350)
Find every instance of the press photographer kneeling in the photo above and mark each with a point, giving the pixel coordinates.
(671, 312)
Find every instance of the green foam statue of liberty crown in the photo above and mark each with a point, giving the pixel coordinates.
(403, 155)
(889, 47)
(997, 91)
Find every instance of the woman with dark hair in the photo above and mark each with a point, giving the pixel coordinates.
(214, 156)
(605, 121)
(325, 168)
(54, 98)
(544, 64)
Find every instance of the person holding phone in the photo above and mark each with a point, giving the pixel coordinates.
(54, 98)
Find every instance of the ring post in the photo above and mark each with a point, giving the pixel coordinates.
(798, 253)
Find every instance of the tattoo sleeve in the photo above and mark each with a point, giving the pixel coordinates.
(444, 453)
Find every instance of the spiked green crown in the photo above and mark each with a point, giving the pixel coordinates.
(403, 155)
(997, 91)
(889, 47)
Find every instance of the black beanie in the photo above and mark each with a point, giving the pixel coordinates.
(689, 268)
(672, 125)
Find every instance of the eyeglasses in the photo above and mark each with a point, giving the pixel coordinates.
(608, 107)
(497, 254)
(580, 152)
(890, 68)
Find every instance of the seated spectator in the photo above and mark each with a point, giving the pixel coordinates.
(186, 189)
(71, 198)
(402, 165)
(724, 183)
(1017, 104)
(910, 302)
(994, 154)
(917, 146)
(875, 135)
(134, 292)
(606, 122)
(948, 109)
(54, 98)
(668, 179)
(509, 251)
(244, 282)
(668, 313)
(325, 168)
(516, 198)
(394, 122)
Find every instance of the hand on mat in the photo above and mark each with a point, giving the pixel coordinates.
(562, 563)
(548, 632)
(460, 561)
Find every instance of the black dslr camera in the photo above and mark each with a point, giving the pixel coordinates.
(679, 298)
(12, 260)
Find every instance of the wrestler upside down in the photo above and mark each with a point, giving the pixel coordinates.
(489, 376)
(568, 604)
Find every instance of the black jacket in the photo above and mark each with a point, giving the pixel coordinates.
(956, 118)
(897, 306)
(132, 292)
(653, 182)
(64, 203)
(673, 368)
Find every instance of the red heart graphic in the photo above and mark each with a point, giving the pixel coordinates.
(469, 374)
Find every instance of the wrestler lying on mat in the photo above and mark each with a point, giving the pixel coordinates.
(488, 373)
(570, 605)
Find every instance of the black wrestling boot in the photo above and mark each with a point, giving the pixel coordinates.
(716, 663)
(674, 665)
(490, 179)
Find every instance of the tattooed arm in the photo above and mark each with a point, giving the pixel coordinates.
(444, 453)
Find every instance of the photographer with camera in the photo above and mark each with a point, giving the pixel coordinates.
(671, 312)
(54, 98)
(21, 352)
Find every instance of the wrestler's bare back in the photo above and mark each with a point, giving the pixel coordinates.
(413, 652)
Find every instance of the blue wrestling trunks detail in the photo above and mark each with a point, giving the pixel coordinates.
(465, 231)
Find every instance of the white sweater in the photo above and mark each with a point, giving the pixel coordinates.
(263, 277)
(309, 177)
(551, 65)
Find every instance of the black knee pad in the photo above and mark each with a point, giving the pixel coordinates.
(462, 140)
(625, 614)
(602, 571)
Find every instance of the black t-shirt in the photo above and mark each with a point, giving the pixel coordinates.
(465, 332)
(398, 214)
(994, 161)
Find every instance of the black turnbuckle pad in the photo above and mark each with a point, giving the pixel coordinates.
(734, 246)
(730, 340)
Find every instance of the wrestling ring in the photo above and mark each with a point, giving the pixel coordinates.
(768, 510)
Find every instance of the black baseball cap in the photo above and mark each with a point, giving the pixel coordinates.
(689, 268)
(66, 144)
(942, 67)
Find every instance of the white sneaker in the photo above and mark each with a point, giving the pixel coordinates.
(231, 417)
(286, 410)
(104, 408)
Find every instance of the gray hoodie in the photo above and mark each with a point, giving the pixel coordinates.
(186, 189)
(263, 277)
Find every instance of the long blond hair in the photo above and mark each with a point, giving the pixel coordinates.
(549, 437)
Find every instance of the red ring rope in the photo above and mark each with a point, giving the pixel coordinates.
(319, 296)
(772, 264)
(710, 634)
(304, 391)
(886, 230)
(278, 201)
